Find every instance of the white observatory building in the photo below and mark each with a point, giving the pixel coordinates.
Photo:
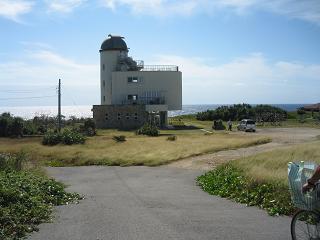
(133, 93)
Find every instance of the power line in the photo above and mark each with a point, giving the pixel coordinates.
(27, 97)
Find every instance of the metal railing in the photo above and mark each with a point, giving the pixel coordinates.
(146, 101)
(165, 68)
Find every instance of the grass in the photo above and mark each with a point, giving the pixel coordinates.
(136, 150)
(260, 180)
(272, 165)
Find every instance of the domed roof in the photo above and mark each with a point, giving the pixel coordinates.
(114, 43)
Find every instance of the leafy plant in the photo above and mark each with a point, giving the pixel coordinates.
(149, 130)
(120, 138)
(67, 137)
(229, 182)
(172, 138)
(26, 200)
(218, 125)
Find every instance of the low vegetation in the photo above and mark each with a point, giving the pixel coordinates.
(149, 130)
(67, 137)
(136, 150)
(260, 180)
(120, 138)
(237, 112)
(11, 126)
(26, 197)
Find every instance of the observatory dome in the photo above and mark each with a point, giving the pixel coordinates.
(114, 43)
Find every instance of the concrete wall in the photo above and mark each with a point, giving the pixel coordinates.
(109, 60)
(119, 116)
(168, 83)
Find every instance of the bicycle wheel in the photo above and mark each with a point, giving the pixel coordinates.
(305, 225)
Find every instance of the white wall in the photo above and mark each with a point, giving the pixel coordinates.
(110, 60)
(169, 83)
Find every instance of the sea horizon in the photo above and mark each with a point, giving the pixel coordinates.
(28, 112)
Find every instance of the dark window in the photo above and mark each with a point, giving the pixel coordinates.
(136, 116)
(133, 79)
(107, 116)
(127, 116)
(119, 116)
(104, 98)
(103, 67)
(251, 122)
(133, 97)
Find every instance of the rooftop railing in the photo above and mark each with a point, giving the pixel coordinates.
(165, 68)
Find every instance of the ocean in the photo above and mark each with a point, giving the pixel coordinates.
(85, 110)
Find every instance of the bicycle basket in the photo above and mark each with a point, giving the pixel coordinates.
(298, 174)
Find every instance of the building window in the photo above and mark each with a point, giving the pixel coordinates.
(119, 116)
(103, 67)
(104, 98)
(107, 116)
(104, 83)
(133, 97)
(136, 116)
(127, 116)
(133, 79)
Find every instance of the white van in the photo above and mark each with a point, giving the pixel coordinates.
(247, 125)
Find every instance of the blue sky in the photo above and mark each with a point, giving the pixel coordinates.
(229, 51)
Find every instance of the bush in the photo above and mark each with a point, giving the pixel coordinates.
(120, 138)
(218, 125)
(149, 130)
(67, 137)
(51, 138)
(229, 182)
(26, 200)
(172, 138)
(237, 112)
(88, 128)
(12, 162)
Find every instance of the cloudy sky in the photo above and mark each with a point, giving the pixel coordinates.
(229, 51)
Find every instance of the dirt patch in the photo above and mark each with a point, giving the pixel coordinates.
(281, 138)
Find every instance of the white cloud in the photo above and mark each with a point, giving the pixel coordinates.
(13, 9)
(307, 10)
(44, 67)
(154, 7)
(64, 6)
(251, 79)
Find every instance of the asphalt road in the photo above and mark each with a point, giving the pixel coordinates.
(160, 203)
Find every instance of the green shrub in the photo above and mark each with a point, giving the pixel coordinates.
(26, 200)
(120, 138)
(229, 182)
(172, 138)
(218, 125)
(88, 128)
(67, 137)
(12, 162)
(149, 130)
(51, 138)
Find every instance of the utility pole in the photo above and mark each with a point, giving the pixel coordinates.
(59, 106)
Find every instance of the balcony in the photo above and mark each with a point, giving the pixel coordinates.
(145, 101)
(163, 68)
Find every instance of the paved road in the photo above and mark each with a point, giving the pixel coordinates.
(142, 203)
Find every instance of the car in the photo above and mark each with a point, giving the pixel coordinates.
(247, 125)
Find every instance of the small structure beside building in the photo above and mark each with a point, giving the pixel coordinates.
(133, 93)
(312, 107)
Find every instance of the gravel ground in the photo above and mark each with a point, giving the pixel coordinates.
(281, 138)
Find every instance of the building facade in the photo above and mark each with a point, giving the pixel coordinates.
(133, 93)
